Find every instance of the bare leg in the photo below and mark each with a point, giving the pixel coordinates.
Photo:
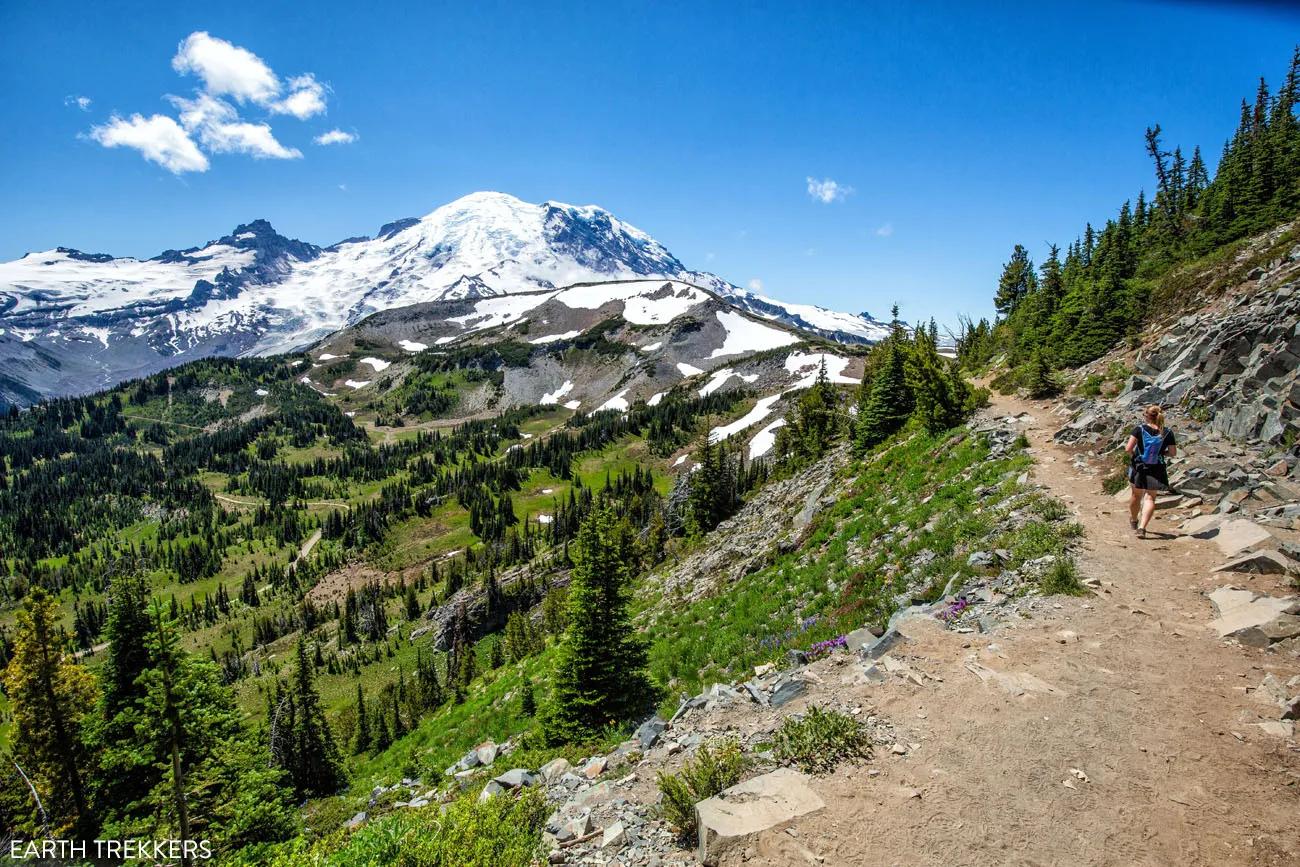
(1134, 502)
(1148, 508)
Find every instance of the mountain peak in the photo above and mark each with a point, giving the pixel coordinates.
(256, 291)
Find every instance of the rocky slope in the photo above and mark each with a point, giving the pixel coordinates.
(1227, 377)
(72, 322)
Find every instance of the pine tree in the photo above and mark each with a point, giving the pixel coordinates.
(941, 396)
(362, 742)
(168, 691)
(1016, 282)
(186, 724)
(889, 405)
(1039, 380)
(121, 784)
(314, 764)
(600, 668)
(51, 698)
(529, 703)
(413, 610)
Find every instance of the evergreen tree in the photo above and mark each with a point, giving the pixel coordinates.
(600, 668)
(941, 397)
(889, 405)
(128, 631)
(529, 703)
(187, 725)
(362, 742)
(51, 698)
(413, 610)
(313, 763)
(1016, 283)
(1039, 381)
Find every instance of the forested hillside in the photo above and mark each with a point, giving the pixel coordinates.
(1114, 278)
(225, 594)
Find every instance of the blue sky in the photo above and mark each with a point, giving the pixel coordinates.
(950, 133)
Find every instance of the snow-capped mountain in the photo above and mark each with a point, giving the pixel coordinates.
(72, 322)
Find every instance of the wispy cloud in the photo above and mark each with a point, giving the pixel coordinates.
(81, 102)
(222, 131)
(827, 191)
(756, 285)
(210, 122)
(886, 230)
(158, 138)
(335, 136)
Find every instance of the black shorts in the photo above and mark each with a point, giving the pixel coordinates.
(1149, 477)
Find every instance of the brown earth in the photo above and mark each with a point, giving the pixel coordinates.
(1131, 739)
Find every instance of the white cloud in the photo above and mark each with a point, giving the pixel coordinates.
(708, 257)
(222, 131)
(226, 69)
(756, 285)
(158, 138)
(886, 230)
(306, 98)
(81, 102)
(343, 187)
(335, 136)
(210, 122)
(827, 191)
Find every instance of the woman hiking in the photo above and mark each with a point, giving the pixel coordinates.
(1148, 446)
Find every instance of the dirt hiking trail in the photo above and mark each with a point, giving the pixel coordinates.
(1111, 729)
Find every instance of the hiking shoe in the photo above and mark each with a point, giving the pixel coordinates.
(1141, 532)
(1133, 524)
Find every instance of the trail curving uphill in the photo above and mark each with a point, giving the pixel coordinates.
(1133, 739)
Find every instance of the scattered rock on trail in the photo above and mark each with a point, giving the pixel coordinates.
(750, 807)
(1244, 615)
(1261, 563)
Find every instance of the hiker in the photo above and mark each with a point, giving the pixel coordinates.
(1148, 446)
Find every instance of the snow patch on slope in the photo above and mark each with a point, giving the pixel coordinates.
(745, 335)
(554, 396)
(760, 411)
(765, 439)
(617, 402)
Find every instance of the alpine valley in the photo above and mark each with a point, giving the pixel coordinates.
(74, 322)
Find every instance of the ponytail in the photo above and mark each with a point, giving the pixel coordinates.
(1156, 416)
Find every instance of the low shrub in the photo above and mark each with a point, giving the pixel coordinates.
(820, 740)
(1062, 579)
(504, 831)
(1091, 385)
(717, 766)
(1052, 509)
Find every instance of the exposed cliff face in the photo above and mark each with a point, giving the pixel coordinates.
(1238, 368)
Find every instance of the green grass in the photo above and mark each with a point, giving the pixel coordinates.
(1062, 579)
(818, 593)
(504, 831)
